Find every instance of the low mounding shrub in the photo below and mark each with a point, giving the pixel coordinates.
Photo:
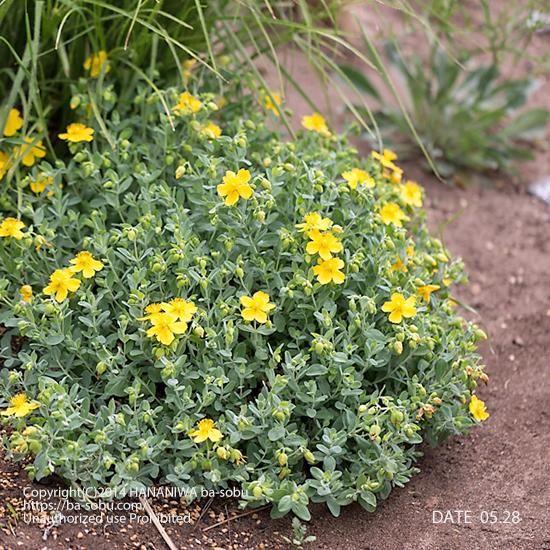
(214, 306)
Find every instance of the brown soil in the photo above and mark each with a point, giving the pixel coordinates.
(498, 473)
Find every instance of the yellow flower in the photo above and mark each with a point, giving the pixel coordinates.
(411, 194)
(235, 186)
(425, 291)
(385, 158)
(20, 406)
(187, 104)
(150, 310)
(478, 409)
(206, 429)
(256, 307)
(38, 185)
(181, 308)
(272, 103)
(447, 281)
(61, 283)
(29, 153)
(329, 271)
(4, 164)
(77, 132)
(316, 123)
(314, 222)
(14, 122)
(10, 227)
(85, 262)
(357, 176)
(392, 213)
(165, 326)
(410, 250)
(399, 266)
(399, 307)
(96, 63)
(388, 154)
(26, 293)
(324, 244)
(396, 175)
(212, 131)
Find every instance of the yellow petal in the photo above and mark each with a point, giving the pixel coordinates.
(260, 316)
(232, 198)
(395, 316)
(245, 191)
(248, 314)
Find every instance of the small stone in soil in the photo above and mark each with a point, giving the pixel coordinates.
(518, 341)
(541, 189)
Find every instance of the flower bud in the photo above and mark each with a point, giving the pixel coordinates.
(100, 368)
(480, 335)
(484, 378)
(374, 431)
(398, 347)
(284, 472)
(396, 418)
(222, 453)
(309, 457)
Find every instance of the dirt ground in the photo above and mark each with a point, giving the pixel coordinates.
(495, 481)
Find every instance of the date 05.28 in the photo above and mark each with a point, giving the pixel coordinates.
(470, 516)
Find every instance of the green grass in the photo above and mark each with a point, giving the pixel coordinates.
(43, 44)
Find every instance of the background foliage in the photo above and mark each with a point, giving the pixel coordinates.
(444, 85)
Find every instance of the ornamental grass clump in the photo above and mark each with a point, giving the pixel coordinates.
(217, 308)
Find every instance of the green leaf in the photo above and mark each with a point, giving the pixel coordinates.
(334, 507)
(367, 503)
(360, 81)
(285, 504)
(54, 339)
(276, 433)
(301, 510)
(528, 125)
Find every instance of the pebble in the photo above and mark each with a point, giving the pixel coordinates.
(518, 341)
